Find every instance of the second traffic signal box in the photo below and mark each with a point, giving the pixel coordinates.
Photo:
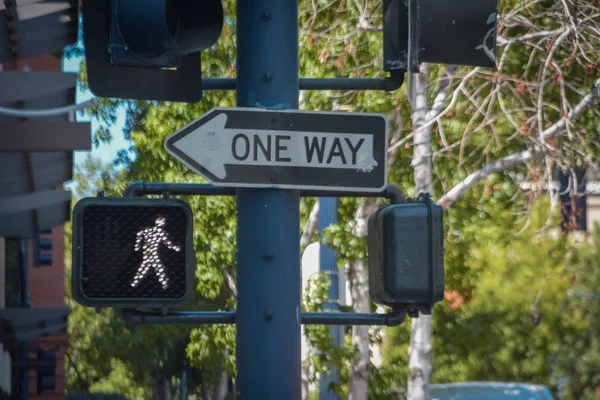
(406, 260)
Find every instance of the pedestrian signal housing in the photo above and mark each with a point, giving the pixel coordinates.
(406, 255)
(132, 252)
(150, 49)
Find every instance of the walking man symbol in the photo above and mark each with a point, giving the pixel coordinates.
(148, 240)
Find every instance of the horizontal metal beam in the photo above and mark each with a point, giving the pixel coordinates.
(33, 200)
(140, 188)
(180, 318)
(219, 83)
(383, 84)
(228, 317)
(33, 136)
(394, 82)
(30, 85)
(341, 318)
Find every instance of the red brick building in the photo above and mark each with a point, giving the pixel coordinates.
(47, 289)
(36, 159)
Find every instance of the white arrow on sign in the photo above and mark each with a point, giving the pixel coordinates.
(213, 146)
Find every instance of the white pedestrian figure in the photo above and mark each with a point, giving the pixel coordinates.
(148, 240)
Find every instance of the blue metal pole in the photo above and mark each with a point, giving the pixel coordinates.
(268, 259)
(328, 264)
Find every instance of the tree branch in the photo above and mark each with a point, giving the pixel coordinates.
(523, 157)
(311, 226)
(500, 41)
(579, 109)
(360, 224)
(433, 118)
(499, 165)
(231, 283)
(442, 94)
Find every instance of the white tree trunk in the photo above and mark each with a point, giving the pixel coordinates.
(222, 386)
(307, 235)
(420, 342)
(419, 364)
(359, 370)
(361, 303)
(305, 379)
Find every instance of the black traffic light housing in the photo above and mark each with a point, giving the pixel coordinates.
(406, 255)
(42, 250)
(573, 218)
(149, 50)
(46, 376)
(455, 32)
(132, 252)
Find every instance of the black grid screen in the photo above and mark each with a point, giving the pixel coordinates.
(133, 252)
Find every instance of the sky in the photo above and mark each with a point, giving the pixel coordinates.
(107, 152)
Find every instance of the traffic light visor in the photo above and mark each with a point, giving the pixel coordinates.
(160, 27)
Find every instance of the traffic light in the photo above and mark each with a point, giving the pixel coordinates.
(573, 210)
(132, 252)
(456, 32)
(149, 50)
(42, 250)
(406, 255)
(46, 376)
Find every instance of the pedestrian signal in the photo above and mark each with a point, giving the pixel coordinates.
(406, 255)
(132, 252)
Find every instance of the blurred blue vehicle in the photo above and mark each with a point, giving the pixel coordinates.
(489, 391)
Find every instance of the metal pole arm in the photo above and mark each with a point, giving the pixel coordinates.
(389, 84)
(179, 318)
(140, 188)
(393, 318)
(339, 318)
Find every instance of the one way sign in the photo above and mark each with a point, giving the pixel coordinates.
(285, 149)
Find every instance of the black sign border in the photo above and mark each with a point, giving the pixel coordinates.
(283, 120)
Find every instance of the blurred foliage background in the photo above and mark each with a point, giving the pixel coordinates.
(521, 301)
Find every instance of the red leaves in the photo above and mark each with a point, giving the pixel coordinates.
(340, 62)
(350, 48)
(324, 56)
(522, 88)
(456, 299)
